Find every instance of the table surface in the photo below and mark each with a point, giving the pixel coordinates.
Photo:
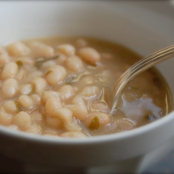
(165, 166)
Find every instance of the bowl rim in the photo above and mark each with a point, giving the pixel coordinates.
(90, 140)
(93, 139)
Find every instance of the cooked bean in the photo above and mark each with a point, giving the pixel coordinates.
(90, 92)
(34, 129)
(54, 122)
(22, 120)
(51, 131)
(107, 76)
(35, 98)
(79, 111)
(99, 106)
(5, 118)
(78, 100)
(47, 95)
(26, 60)
(39, 85)
(10, 88)
(4, 58)
(73, 135)
(66, 92)
(64, 114)
(48, 64)
(55, 74)
(74, 126)
(66, 49)
(26, 102)
(86, 80)
(89, 55)
(34, 74)
(26, 89)
(125, 124)
(9, 70)
(11, 107)
(42, 50)
(74, 64)
(103, 118)
(21, 74)
(36, 117)
(61, 59)
(51, 105)
(18, 49)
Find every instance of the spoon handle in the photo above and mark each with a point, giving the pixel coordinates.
(138, 68)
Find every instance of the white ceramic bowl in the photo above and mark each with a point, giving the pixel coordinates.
(142, 26)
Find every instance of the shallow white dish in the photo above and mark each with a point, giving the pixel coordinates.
(142, 26)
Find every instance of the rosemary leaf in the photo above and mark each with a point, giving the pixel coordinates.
(39, 62)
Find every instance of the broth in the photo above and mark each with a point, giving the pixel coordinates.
(61, 87)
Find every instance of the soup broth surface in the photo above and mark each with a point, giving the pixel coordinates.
(63, 87)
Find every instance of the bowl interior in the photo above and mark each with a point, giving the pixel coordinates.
(141, 26)
(131, 24)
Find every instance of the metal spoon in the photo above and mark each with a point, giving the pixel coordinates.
(138, 68)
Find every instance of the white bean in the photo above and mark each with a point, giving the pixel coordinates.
(18, 49)
(66, 49)
(51, 131)
(66, 92)
(26, 102)
(55, 74)
(42, 50)
(5, 118)
(64, 114)
(48, 64)
(21, 74)
(125, 124)
(89, 92)
(79, 111)
(9, 70)
(26, 89)
(51, 105)
(10, 88)
(34, 129)
(4, 58)
(11, 107)
(78, 100)
(74, 126)
(89, 55)
(61, 59)
(35, 98)
(73, 135)
(33, 75)
(39, 85)
(74, 64)
(22, 120)
(99, 106)
(47, 95)
(54, 122)
(36, 117)
(102, 117)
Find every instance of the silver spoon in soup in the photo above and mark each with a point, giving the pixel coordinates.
(138, 68)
